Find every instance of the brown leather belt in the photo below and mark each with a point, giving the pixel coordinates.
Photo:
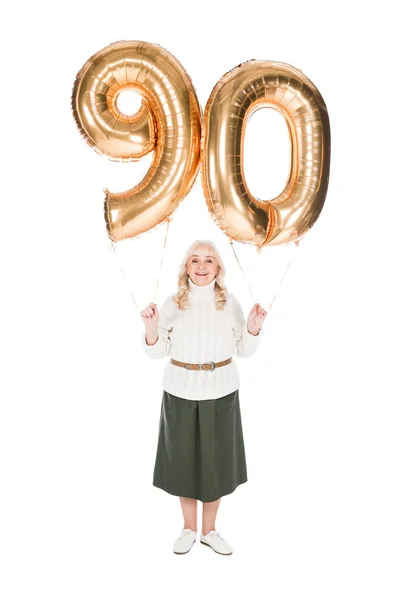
(208, 366)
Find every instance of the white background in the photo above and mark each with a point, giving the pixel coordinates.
(80, 401)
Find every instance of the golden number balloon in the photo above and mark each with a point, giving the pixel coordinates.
(237, 95)
(168, 123)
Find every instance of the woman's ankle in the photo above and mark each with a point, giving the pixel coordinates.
(206, 530)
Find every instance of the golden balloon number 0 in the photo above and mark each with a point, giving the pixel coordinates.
(169, 123)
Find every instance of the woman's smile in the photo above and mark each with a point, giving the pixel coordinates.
(200, 261)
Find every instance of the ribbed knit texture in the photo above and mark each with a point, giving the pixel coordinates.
(201, 334)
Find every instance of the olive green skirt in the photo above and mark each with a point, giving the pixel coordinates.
(200, 451)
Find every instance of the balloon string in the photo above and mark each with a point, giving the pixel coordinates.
(248, 285)
(113, 246)
(281, 281)
(162, 257)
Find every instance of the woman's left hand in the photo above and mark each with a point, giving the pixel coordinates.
(256, 319)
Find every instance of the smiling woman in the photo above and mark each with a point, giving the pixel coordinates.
(202, 268)
(200, 450)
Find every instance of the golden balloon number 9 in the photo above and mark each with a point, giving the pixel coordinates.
(169, 123)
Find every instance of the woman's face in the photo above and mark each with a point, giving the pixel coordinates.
(201, 268)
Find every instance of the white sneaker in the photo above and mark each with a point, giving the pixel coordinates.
(216, 542)
(185, 541)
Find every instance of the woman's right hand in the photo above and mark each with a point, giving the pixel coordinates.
(150, 316)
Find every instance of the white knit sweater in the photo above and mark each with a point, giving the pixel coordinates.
(201, 334)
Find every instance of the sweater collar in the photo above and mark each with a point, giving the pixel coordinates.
(201, 291)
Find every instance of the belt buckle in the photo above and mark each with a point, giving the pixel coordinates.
(208, 363)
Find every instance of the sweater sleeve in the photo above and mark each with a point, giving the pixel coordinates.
(163, 344)
(245, 344)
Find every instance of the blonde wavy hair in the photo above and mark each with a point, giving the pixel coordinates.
(220, 291)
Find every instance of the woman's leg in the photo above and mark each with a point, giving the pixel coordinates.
(189, 509)
(209, 515)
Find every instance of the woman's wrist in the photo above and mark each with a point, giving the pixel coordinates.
(253, 332)
(151, 336)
